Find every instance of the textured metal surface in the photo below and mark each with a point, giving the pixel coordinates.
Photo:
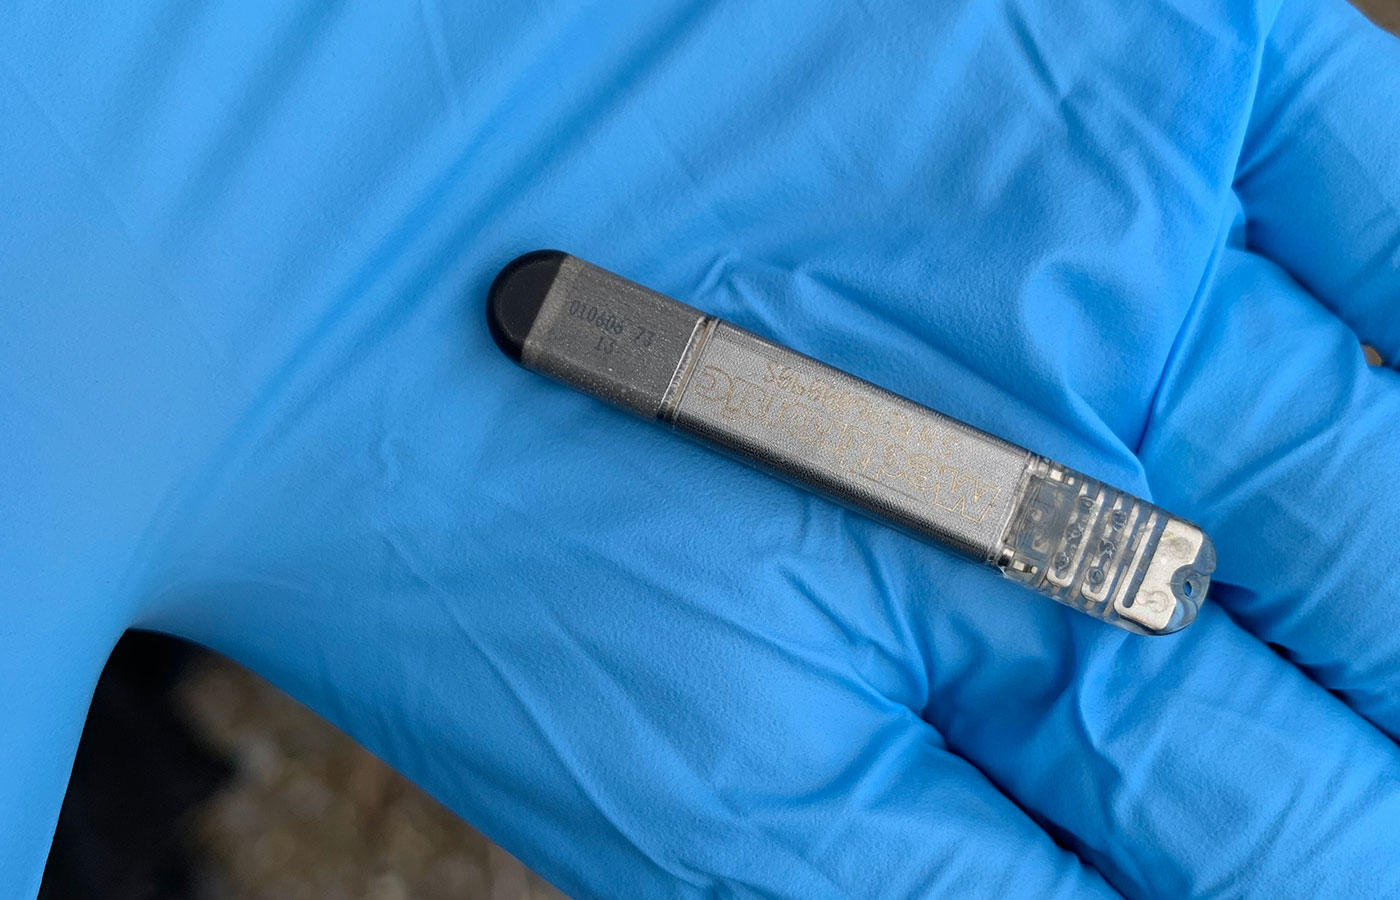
(606, 336)
(857, 443)
(1057, 531)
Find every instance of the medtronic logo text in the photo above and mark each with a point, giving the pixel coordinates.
(871, 439)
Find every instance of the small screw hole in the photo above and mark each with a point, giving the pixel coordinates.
(1188, 587)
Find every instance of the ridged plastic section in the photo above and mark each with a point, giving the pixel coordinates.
(1105, 552)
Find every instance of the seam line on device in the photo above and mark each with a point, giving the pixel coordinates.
(680, 379)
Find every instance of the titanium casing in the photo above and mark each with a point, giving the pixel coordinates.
(1055, 530)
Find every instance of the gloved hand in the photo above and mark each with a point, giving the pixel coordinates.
(247, 396)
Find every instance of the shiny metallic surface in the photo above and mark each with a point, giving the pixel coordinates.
(850, 440)
(1059, 532)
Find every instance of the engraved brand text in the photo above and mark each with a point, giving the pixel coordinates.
(857, 432)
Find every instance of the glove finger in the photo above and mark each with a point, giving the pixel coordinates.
(1197, 765)
(1273, 433)
(1318, 174)
(49, 665)
(1238, 774)
(634, 702)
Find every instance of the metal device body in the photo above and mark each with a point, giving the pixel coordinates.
(1058, 531)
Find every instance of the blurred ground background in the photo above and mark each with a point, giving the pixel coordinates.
(196, 780)
(312, 815)
(1385, 12)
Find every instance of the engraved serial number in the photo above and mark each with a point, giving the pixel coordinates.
(614, 328)
(822, 393)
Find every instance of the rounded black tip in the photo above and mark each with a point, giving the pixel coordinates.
(516, 297)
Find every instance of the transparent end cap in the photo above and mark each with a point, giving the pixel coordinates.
(1105, 552)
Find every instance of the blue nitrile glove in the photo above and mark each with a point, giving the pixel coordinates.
(247, 395)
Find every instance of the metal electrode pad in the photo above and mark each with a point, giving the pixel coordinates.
(1068, 536)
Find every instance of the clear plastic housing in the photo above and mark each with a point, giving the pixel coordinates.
(1105, 552)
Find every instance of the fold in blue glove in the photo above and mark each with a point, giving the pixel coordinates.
(247, 396)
